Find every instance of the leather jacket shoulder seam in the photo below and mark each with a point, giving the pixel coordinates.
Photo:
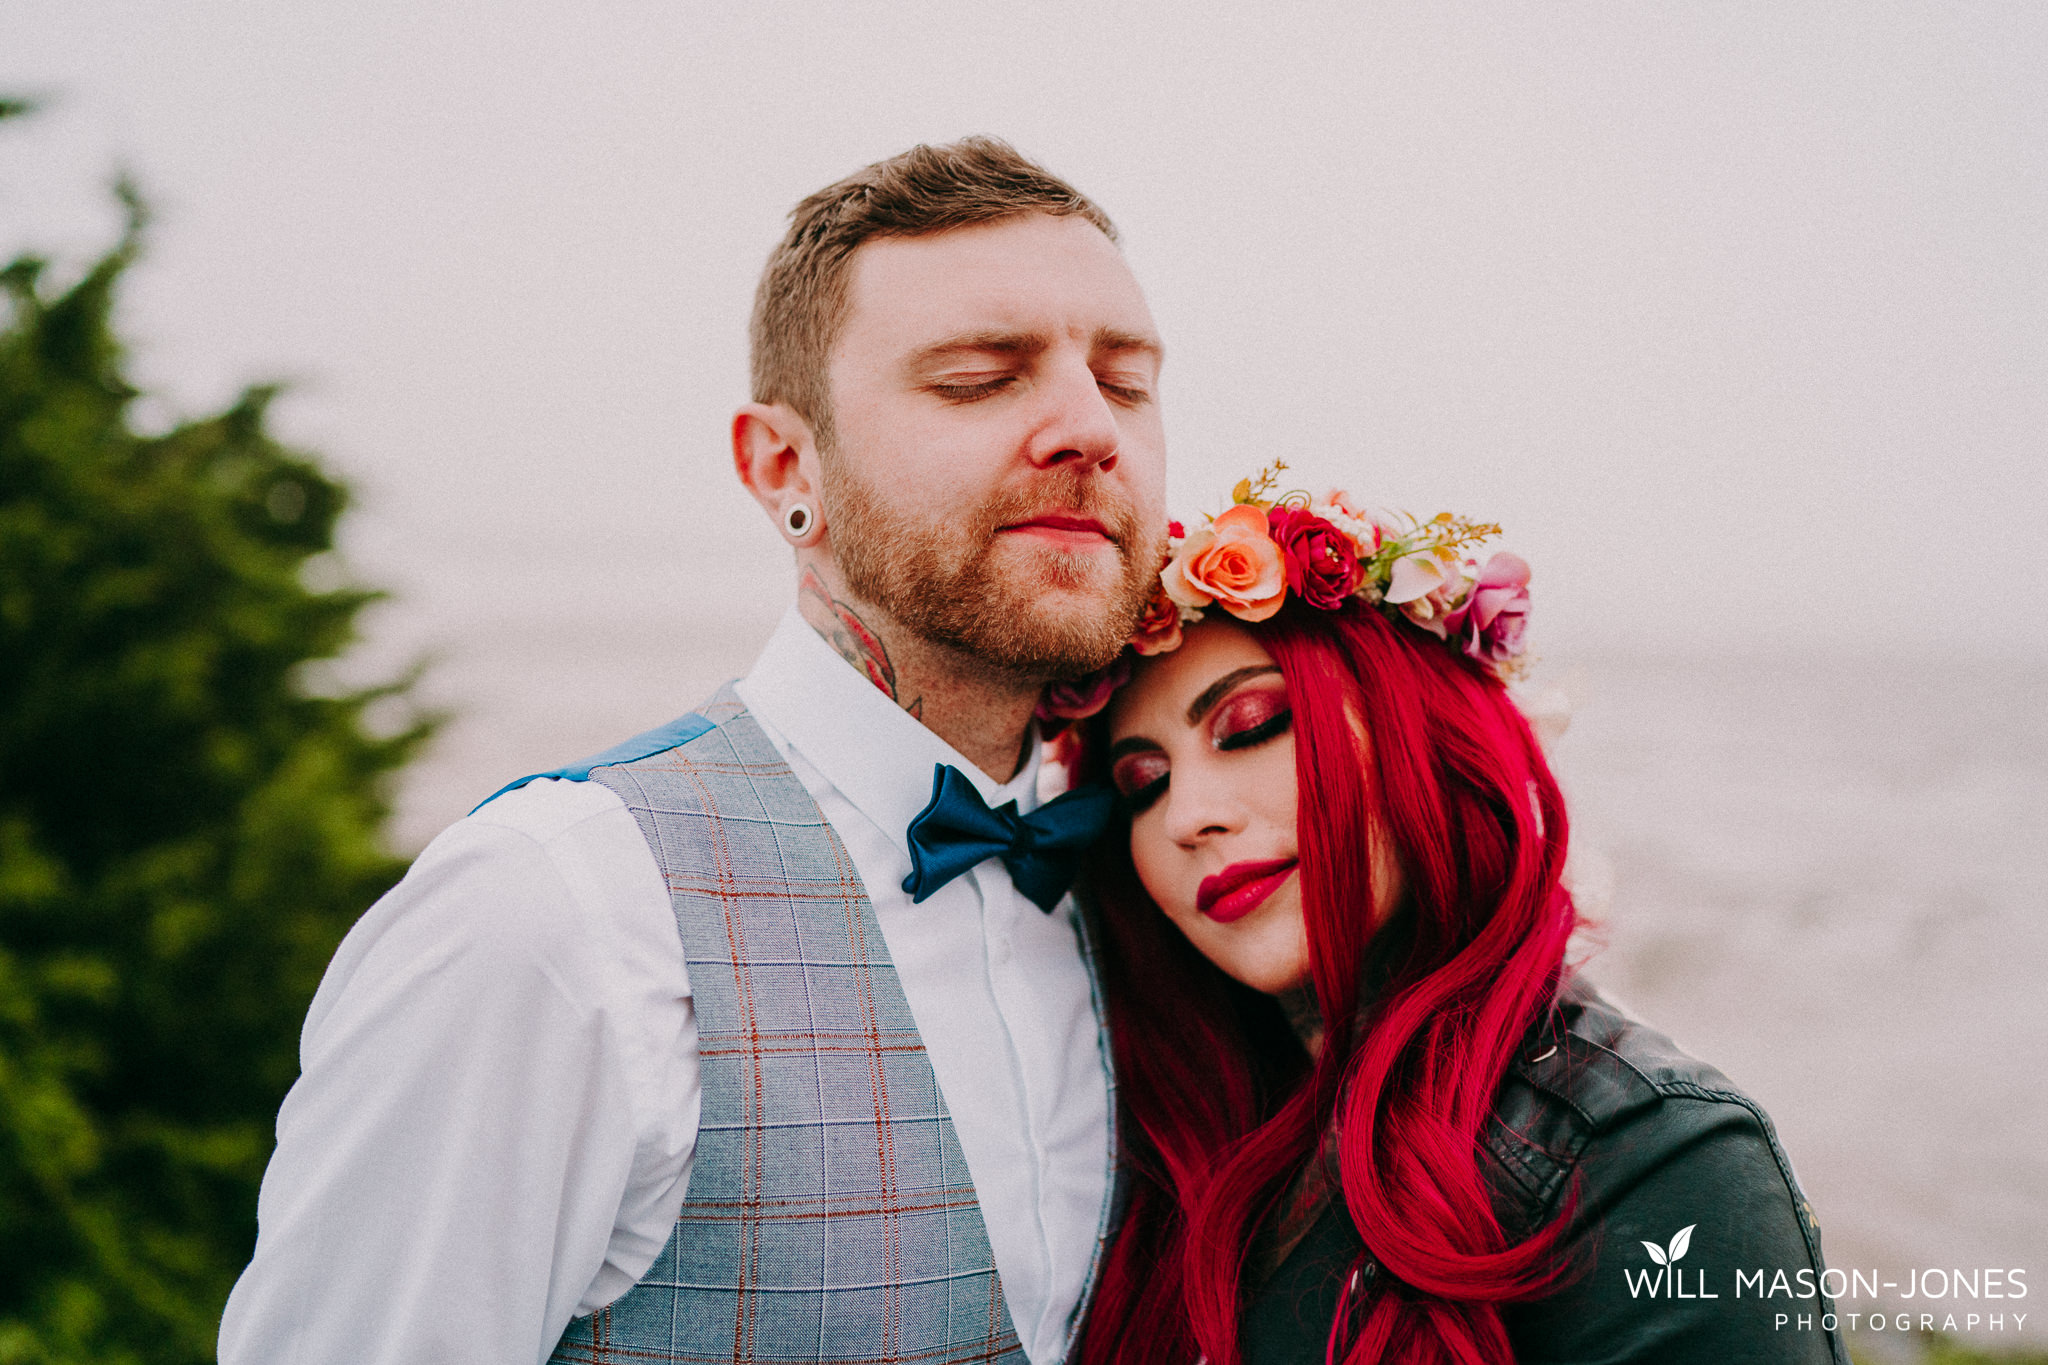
(1562, 1091)
(1536, 1191)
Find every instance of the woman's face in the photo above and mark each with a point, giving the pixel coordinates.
(1202, 747)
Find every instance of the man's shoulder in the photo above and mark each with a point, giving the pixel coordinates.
(555, 857)
(541, 875)
(543, 811)
(678, 735)
(545, 841)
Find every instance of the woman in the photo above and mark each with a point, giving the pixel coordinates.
(1370, 1115)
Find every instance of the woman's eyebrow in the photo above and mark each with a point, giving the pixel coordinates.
(1217, 690)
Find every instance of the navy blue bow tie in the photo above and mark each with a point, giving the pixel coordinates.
(1042, 850)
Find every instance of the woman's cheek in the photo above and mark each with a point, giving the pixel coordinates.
(1278, 792)
(1152, 854)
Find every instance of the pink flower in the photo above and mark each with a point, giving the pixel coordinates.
(1426, 589)
(1493, 618)
(1349, 515)
(1158, 629)
(1346, 505)
(1322, 563)
(1231, 562)
(1080, 698)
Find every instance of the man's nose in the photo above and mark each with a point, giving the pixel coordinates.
(1078, 427)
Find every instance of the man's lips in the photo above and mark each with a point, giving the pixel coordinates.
(1062, 528)
(1241, 888)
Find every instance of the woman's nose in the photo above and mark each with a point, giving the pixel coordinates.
(1199, 809)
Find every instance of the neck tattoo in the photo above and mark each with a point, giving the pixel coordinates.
(856, 642)
(1298, 1004)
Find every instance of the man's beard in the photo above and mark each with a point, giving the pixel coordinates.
(939, 577)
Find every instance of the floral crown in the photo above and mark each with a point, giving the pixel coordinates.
(1326, 551)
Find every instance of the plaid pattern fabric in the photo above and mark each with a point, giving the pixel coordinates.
(830, 1215)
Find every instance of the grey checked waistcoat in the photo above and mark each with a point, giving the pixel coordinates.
(830, 1215)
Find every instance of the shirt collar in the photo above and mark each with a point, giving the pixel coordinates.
(875, 753)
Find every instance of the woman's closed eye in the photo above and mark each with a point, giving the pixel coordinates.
(1250, 718)
(1140, 778)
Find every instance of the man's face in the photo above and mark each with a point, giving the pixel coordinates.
(997, 478)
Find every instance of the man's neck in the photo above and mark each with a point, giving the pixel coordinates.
(983, 713)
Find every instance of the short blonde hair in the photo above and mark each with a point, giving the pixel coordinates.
(801, 302)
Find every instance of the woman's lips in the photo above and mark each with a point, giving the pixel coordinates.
(1241, 888)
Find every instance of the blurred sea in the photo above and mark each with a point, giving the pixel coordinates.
(1827, 877)
(1830, 879)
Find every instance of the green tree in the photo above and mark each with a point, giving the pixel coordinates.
(186, 829)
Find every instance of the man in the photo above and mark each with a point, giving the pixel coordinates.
(697, 1050)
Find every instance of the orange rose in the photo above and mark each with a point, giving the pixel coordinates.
(1158, 629)
(1231, 562)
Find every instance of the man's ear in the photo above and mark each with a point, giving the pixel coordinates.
(776, 457)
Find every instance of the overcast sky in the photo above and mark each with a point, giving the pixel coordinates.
(1732, 313)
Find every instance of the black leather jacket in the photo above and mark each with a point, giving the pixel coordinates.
(1653, 1147)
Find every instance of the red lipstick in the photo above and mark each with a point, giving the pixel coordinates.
(1241, 888)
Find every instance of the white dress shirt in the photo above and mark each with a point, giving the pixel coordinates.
(494, 1125)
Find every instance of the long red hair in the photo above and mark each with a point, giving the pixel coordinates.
(1222, 1108)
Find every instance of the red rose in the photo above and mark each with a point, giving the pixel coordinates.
(1322, 564)
(1158, 629)
(1080, 698)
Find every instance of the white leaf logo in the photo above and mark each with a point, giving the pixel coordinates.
(1674, 1252)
